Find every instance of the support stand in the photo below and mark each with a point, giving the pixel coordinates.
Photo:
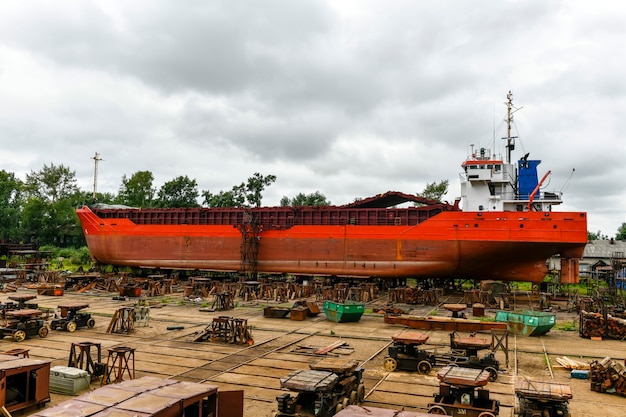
(119, 363)
(81, 358)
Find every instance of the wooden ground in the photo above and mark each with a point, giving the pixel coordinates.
(282, 345)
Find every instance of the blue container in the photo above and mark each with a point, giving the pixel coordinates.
(580, 374)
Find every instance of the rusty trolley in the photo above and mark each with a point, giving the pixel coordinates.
(72, 319)
(461, 393)
(331, 385)
(405, 354)
(542, 399)
(24, 323)
(464, 353)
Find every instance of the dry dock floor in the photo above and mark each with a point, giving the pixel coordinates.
(283, 345)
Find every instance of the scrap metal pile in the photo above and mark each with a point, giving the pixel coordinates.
(608, 376)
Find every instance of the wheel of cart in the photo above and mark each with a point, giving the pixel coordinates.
(19, 335)
(493, 373)
(390, 364)
(424, 367)
(361, 392)
(343, 404)
(437, 409)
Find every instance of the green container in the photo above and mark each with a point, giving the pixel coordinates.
(343, 312)
(529, 323)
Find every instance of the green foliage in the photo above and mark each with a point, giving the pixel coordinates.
(249, 192)
(435, 191)
(301, 199)
(48, 214)
(621, 232)
(255, 186)
(106, 198)
(68, 258)
(179, 192)
(81, 256)
(224, 199)
(137, 191)
(10, 203)
(596, 236)
(567, 326)
(52, 183)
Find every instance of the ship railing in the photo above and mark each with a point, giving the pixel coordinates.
(280, 218)
(554, 196)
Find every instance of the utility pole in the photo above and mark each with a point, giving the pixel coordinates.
(96, 158)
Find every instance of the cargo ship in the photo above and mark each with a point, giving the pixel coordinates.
(503, 227)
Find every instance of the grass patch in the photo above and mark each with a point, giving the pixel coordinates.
(567, 326)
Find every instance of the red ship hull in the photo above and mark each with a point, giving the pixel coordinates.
(507, 246)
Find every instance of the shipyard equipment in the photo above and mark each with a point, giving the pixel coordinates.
(328, 387)
(24, 323)
(72, 318)
(542, 399)
(405, 354)
(462, 393)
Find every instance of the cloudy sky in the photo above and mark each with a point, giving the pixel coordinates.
(348, 97)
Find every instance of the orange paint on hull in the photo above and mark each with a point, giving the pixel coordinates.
(452, 244)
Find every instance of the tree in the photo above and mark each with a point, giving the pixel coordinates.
(49, 210)
(137, 191)
(222, 199)
(250, 192)
(255, 186)
(435, 191)
(301, 199)
(10, 204)
(52, 183)
(596, 236)
(179, 192)
(621, 232)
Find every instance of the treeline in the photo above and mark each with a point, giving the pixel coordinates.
(41, 209)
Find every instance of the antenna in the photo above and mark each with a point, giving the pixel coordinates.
(96, 159)
(510, 140)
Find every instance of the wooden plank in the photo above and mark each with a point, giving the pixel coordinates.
(5, 412)
(325, 350)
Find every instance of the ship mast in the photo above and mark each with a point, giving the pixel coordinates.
(96, 158)
(510, 140)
